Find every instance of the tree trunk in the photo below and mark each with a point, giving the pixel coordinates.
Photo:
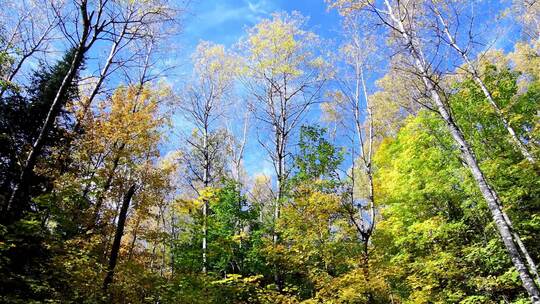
(476, 76)
(108, 183)
(469, 157)
(115, 249)
(281, 171)
(366, 271)
(490, 196)
(54, 110)
(206, 182)
(532, 265)
(134, 240)
(513, 135)
(205, 235)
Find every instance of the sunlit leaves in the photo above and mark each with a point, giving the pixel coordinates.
(214, 68)
(281, 47)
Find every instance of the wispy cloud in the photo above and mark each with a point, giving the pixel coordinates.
(226, 20)
(259, 7)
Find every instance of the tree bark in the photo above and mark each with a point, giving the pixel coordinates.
(476, 76)
(532, 265)
(115, 249)
(489, 194)
(206, 182)
(281, 171)
(54, 110)
(205, 235)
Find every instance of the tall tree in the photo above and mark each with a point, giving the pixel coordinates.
(402, 20)
(204, 104)
(444, 17)
(353, 108)
(90, 31)
(21, 133)
(285, 73)
(100, 20)
(20, 118)
(435, 238)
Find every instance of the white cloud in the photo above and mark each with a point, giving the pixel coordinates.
(260, 7)
(217, 13)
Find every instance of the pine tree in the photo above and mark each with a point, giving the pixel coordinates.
(21, 116)
(25, 256)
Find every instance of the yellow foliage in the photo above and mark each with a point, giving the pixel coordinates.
(131, 119)
(214, 66)
(526, 58)
(279, 46)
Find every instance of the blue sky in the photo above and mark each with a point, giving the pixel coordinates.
(226, 21)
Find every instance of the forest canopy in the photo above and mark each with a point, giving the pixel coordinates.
(378, 151)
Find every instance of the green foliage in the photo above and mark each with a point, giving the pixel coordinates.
(434, 227)
(434, 240)
(317, 158)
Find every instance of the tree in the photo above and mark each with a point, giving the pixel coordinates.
(138, 29)
(357, 124)
(125, 129)
(90, 32)
(435, 237)
(402, 21)
(24, 255)
(120, 149)
(118, 236)
(21, 133)
(101, 23)
(444, 31)
(284, 74)
(203, 105)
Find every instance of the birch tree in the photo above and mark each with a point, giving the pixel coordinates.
(353, 108)
(444, 17)
(204, 104)
(284, 76)
(402, 22)
(447, 26)
(237, 142)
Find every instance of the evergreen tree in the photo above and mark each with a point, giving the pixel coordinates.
(24, 254)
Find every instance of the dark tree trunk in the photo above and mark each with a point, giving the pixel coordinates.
(31, 160)
(118, 237)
